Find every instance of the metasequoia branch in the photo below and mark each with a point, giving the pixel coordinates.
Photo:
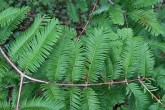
(86, 85)
(61, 84)
(18, 70)
(78, 85)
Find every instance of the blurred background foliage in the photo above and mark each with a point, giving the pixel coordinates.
(73, 13)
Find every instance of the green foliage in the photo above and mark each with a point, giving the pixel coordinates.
(72, 11)
(140, 98)
(141, 4)
(116, 15)
(39, 104)
(124, 42)
(97, 47)
(74, 98)
(89, 100)
(15, 20)
(40, 47)
(7, 16)
(82, 5)
(147, 18)
(17, 46)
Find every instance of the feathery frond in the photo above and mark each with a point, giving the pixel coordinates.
(40, 47)
(58, 63)
(82, 5)
(147, 18)
(141, 99)
(7, 16)
(147, 61)
(52, 92)
(97, 48)
(160, 77)
(5, 106)
(6, 31)
(156, 106)
(72, 11)
(116, 14)
(100, 10)
(89, 100)
(74, 98)
(16, 48)
(77, 64)
(39, 104)
(146, 3)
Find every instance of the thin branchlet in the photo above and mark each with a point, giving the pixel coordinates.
(19, 93)
(94, 7)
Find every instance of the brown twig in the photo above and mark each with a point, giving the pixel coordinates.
(19, 93)
(88, 20)
(84, 85)
(100, 84)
